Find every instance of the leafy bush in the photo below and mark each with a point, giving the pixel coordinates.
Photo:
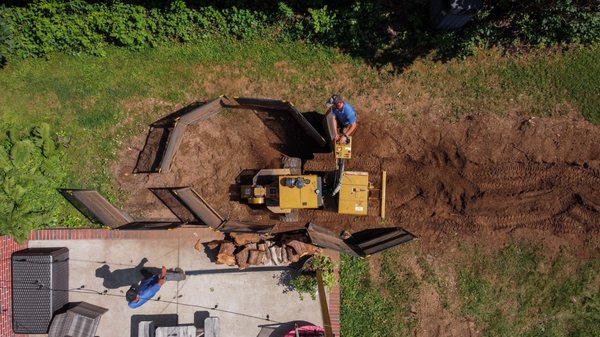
(373, 29)
(514, 24)
(30, 173)
(306, 283)
(5, 40)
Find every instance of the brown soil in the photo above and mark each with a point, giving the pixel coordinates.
(479, 174)
(435, 320)
(483, 180)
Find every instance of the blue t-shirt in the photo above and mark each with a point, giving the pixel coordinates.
(148, 288)
(346, 115)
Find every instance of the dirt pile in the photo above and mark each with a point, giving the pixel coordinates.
(478, 174)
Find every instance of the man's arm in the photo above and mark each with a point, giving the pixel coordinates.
(163, 274)
(337, 135)
(349, 130)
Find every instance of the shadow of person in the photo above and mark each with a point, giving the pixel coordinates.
(125, 277)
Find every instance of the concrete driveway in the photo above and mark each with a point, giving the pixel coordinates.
(100, 272)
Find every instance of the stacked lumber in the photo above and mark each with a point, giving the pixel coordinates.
(246, 250)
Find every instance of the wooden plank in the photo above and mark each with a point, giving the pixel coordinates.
(324, 306)
(324, 238)
(233, 226)
(201, 209)
(381, 238)
(175, 138)
(383, 186)
(203, 112)
(94, 206)
(169, 199)
(401, 238)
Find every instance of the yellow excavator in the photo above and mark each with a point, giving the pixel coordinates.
(286, 189)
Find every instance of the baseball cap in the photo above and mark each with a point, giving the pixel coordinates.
(131, 294)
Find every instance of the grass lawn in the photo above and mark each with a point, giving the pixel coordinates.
(378, 307)
(518, 292)
(512, 291)
(95, 105)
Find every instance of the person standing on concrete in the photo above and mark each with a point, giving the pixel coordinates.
(345, 118)
(138, 295)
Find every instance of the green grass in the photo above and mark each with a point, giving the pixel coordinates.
(430, 276)
(366, 309)
(518, 292)
(512, 291)
(97, 104)
(544, 83)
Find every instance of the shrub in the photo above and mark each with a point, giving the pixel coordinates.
(5, 39)
(306, 283)
(30, 173)
(378, 30)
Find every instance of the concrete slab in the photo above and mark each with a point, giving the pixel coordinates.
(241, 300)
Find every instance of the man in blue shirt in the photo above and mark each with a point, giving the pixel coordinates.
(138, 295)
(345, 118)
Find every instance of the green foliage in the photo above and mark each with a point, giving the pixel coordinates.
(525, 24)
(519, 293)
(370, 310)
(375, 29)
(6, 44)
(30, 172)
(322, 22)
(306, 283)
(77, 26)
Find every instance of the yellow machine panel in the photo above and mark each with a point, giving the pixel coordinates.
(294, 197)
(344, 151)
(354, 193)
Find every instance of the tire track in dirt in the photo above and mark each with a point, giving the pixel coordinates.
(443, 184)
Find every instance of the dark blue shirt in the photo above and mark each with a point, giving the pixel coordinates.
(148, 288)
(346, 115)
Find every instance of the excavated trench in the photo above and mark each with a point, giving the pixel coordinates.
(483, 173)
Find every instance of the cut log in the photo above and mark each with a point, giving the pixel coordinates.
(241, 258)
(262, 257)
(214, 244)
(262, 247)
(225, 255)
(253, 257)
(267, 261)
(274, 255)
(303, 249)
(242, 239)
(284, 257)
(291, 254)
